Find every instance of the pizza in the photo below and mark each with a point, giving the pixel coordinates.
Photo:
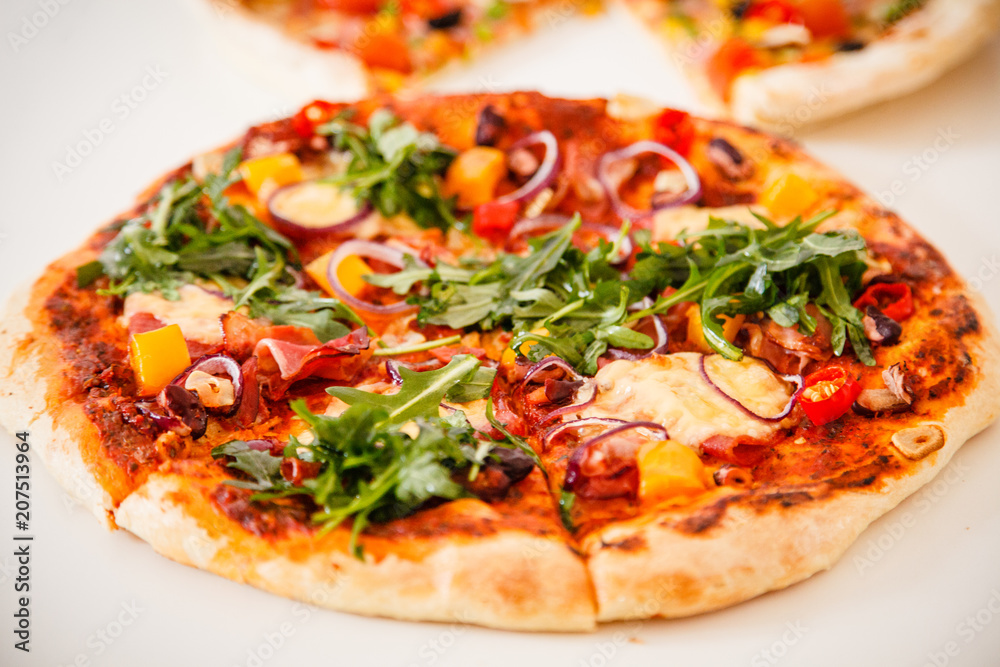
(507, 360)
(776, 64)
(384, 44)
(782, 64)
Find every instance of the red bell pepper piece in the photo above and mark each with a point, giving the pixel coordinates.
(895, 300)
(311, 116)
(494, 220)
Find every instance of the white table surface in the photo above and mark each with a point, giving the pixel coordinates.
(900, 596)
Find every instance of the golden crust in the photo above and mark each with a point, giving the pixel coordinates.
(32, 373)
(511, 580)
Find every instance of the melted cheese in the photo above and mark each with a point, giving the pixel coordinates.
(669, 390)
(197, 312)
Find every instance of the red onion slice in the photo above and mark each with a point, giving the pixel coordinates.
(575, 474)
(218, 364)
(548, 363)
(308, 209)
(391, 256)
(659, 342)
(794, 379)
(577, 424)
(689, 196)
(590, 387)
(546, 171)
(392, 370)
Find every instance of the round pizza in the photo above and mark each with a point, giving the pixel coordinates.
(784, 63)
(375, 44)
(508, 360)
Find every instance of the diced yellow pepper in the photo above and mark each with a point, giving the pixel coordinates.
(669, 470)
(753, 29)
(387, 80)
(263, 175)
(239, 196)
(508, 357)
(789, 196)
(351, 273)
(696, 334)
(158, 357)
(474, 175)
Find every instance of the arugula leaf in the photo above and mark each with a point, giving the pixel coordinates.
(567, 302)
(370, 469)
(191, 233)
(264, 468)
(518, 442)
(474, 388)
(420, 394)
(88, 273)
(900, 9)
(730, 268)
(395, 167)
(566, 501)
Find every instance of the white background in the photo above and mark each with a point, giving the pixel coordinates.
(898, 597)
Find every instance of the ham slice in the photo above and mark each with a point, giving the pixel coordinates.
(281, 363)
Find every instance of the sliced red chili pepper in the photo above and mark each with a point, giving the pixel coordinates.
(494, 220)
(827, 394)
(674, 129)
(312, 116)
(895, 300)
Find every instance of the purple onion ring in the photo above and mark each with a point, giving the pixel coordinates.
(392, 256)
(576, 424)
(794, 379)
(689, 196)
(546, 171)
(218, 364)
(551, 362)
(296, 229)
(392, 370)
(579, 403)
(659, 344)
(574, 471)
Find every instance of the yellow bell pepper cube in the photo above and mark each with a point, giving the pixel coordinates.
(789, 196)
(696, 334)
(263, 175)
(474, 175)
(509, 356)
(668, 470)
(351, 273)
(158, 357)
